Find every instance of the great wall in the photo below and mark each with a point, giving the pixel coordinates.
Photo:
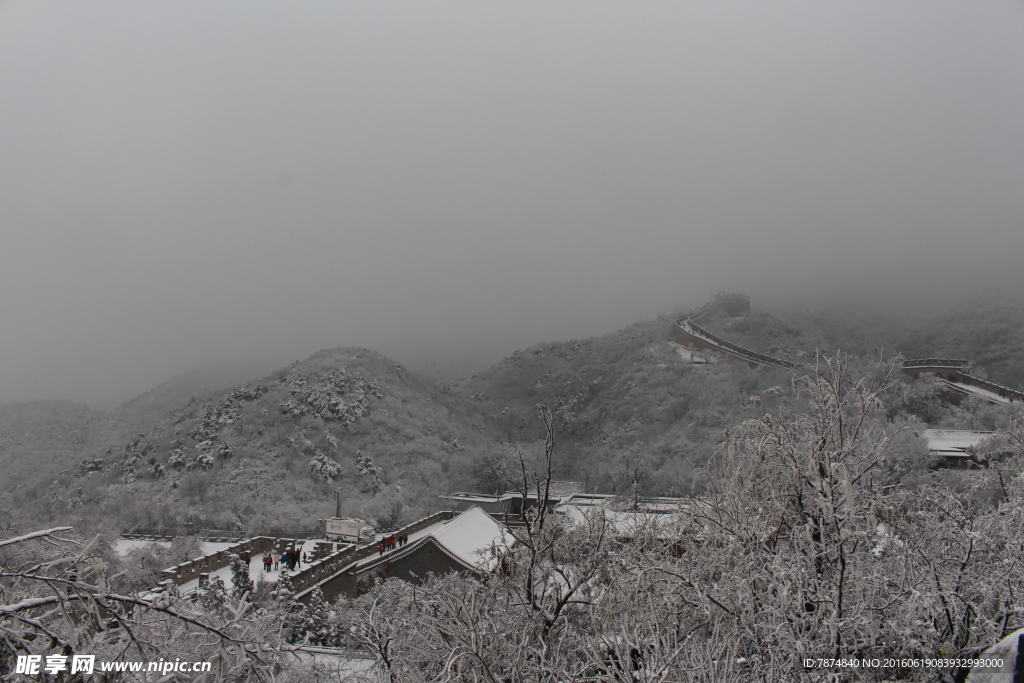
(333, 564)
(953, 373)
(329, 561)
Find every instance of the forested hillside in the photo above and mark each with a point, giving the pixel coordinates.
(635, 414)
(631, 408)
(40, 438)
(266, 456)
(988, 331)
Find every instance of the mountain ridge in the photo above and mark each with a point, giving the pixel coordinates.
(633, 412)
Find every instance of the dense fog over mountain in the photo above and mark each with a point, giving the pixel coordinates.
(239, 185)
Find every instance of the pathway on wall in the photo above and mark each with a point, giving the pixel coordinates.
(689, 333)
(952, 372)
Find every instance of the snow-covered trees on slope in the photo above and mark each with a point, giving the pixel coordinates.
(324, 467)
(369, 470)
(802, 547)
(335, 396)
(243, 586)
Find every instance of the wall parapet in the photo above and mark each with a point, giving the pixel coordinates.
(187, 571)
(692, 334)
(936, 363)
(688, 332)
(1006, 392)
(320, 571)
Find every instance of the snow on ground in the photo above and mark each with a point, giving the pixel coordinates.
(977, 391)
(256, 571)
(224, 574)
(341, 665)
(124, 545)
(691, 356)
(464, 536)
(984, 393)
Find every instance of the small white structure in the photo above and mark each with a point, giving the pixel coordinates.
(348, 529)
(651, 514)
(951, 445)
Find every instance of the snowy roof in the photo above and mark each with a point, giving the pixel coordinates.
(469, 535)
(659, 504)
(465, 538)
(940, 440)
(480, 497)
(556, 491)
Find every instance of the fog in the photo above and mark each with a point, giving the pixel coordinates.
(191, 185)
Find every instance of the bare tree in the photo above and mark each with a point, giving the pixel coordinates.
(57, 599)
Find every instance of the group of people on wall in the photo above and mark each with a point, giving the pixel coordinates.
(289, 559)
(391, 542)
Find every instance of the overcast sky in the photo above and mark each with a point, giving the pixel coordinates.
(185, 184)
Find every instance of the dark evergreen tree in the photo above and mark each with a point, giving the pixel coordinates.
(314, 623)
(240, 578)
(288, 609)
(213, 597)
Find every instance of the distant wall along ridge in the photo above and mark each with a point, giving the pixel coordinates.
(688, 332)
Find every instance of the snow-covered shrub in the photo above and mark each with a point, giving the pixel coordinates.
(178, 459)
(213, 597)
(337, 396)
(367, 468)
(203, 461)
(313, 625)
(91, 465)
(324, 467)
